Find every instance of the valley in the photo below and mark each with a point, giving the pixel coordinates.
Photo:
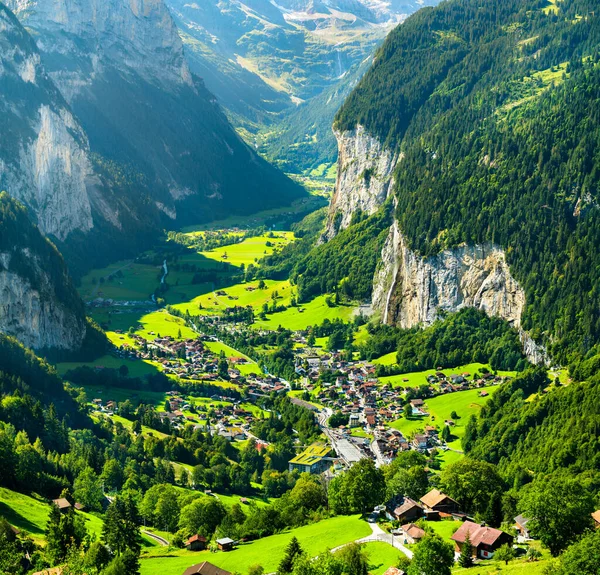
(305, 287)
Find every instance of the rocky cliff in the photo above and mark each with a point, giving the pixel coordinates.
(44, 153)
(410, 290)
(364, 180)
(159, 138)
(38, 303)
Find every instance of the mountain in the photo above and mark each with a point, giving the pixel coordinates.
(272, 64)
(153, 145)
(478, 121)
(40, 306)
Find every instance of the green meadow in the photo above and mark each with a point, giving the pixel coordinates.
(267, 552)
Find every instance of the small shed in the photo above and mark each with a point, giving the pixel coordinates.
(225, 544)
(196, 543)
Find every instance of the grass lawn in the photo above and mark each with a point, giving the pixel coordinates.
(464, 403)
(137, 368)
(382, 556)
(137, 282)
(212, 303)
(517, 567)
(25, 513)
(267, 552)
(420, 377)
(387, 359)
(217, 347)
(250, 250)
(445, 529)
(313, 313)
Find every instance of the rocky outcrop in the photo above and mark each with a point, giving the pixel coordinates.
(133, 35)
(410, 290)
(44, 153)
(34, 314)
(364, 180)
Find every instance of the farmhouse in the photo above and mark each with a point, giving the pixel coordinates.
(196, 543)
(437, 501)
(485, 540)
(205, 568)
(412, 533)
(62, 504)
(408, 510)
(225, 544)
(312, 460)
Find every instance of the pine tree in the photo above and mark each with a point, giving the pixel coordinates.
(466, 553)
(292, 552)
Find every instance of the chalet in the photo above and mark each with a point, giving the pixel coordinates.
(420, 441)
(596, 518)
(485, 540)
(437, 501)
(312, 460)
(62, 504)
(225, 544)
(521, 525)
(205, 568)
(412, 533)
(408, 510)
(196, 543)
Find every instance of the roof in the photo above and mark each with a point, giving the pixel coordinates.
(311, 455)
(413, 531)
(523, 521)
(61, 503)
(195, 538)
(596, 516)
(205, 568)
(477, 533)
(433, 498)
(394, 571)
(407, 505)
(225, 541)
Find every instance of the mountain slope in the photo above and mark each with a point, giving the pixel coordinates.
(160, 145)
(489, 112)
(262, 59)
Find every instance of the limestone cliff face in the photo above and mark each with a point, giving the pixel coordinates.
(133, 35)
(410, 290)
(34, 314)
(364, 180)
(44, 153)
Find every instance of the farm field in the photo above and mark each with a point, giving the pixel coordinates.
(250, 250)
(418, 378)
(382, 556)
(314, 312)
(137, 368)
(267, 552)
(465, 403)
(30, 515)
(209, 303)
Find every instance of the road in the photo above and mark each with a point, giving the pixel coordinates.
(160, 540)
(378, 534)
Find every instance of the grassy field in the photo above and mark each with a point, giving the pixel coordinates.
(137, 368)
(314, 312)
(382, 556)
(418, 378)
(237, 295)
(464, 403)
(250, 250)
(267, 552)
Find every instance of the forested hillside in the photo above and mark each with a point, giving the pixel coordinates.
(495, 106)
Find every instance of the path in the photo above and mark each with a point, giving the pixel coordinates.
(378, 534)
(161, 540)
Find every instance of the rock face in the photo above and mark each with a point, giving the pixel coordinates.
(44, 153)
(410, 290)
(364, 180)
(38, 303)
(34, 315)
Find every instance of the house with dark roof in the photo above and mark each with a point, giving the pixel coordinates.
(485, 540)
(205, 568)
